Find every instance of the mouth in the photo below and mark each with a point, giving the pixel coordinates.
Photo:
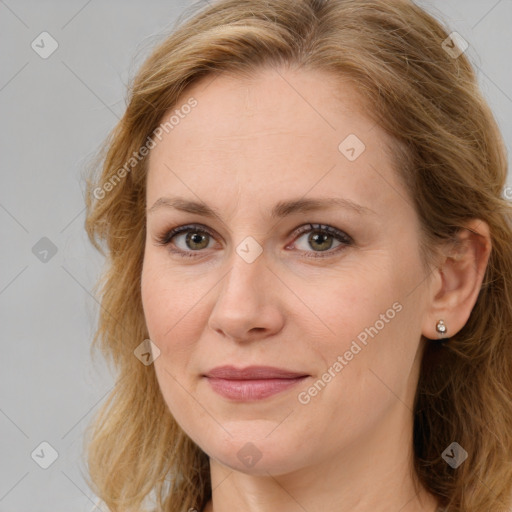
(252, 383)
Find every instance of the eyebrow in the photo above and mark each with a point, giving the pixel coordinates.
(280, 209)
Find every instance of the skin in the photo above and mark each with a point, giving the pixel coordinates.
(248, 144)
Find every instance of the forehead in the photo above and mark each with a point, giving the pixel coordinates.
(278, 132)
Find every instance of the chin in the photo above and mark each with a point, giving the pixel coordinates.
(259, 456)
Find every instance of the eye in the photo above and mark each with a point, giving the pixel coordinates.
(190, 240)
(193, 239)
(321, 238)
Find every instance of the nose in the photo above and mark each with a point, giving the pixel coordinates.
(247, 306)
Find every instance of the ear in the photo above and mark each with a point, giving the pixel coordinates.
(458, 279)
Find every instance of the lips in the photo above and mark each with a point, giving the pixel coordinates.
(251, 383)
(252, 373)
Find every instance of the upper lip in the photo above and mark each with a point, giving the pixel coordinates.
(252, 372)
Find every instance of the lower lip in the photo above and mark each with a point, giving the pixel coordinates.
(247, 390)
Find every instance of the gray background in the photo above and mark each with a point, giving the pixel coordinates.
(54, 114)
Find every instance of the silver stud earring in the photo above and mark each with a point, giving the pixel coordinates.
(441, 328)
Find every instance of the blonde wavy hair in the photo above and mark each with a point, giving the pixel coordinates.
(449, 154)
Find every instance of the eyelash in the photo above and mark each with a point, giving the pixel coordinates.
(346, 240)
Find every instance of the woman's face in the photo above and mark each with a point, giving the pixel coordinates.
(310, 265)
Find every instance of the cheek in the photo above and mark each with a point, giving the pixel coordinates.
(169, 301)
(174, 305)
(374, 325)
(155, 300)
(367, 372)
(167, 312)
(349, 305)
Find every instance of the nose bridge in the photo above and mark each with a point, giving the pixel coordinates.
(244, 306)
(246, 279)
(248, 260)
